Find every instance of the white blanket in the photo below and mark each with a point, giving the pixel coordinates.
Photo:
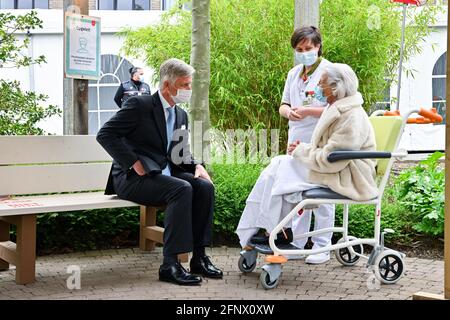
(277, 190)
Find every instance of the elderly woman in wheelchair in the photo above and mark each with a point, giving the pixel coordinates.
(337, 167)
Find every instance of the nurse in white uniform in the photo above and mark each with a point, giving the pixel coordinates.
(278, 189)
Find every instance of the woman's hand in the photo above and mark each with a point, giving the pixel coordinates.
(293, 115)
(302, 111)
(292, 147)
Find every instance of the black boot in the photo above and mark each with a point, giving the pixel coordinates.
(281, 238)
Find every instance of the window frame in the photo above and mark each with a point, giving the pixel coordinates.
(97, 85)
(439, 76)
(133, 3)
(386, 102)
(16, 5)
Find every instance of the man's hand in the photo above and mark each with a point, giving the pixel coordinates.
(139, 168)
(292, 147)
(200, 172)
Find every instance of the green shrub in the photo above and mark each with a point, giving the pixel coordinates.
(393, 215)
(365, 34)
(233, 184)
(421, 190)
(87, 230)
(20, 111)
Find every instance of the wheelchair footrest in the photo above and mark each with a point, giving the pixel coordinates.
(265, 249)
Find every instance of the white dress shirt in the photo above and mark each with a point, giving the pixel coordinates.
(166, 106)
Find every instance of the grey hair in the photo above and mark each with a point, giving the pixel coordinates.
(342, 80)
(172, 69)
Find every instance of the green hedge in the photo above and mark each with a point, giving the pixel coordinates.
(87, 230)
(96, 229)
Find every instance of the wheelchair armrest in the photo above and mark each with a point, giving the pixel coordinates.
(349, 155)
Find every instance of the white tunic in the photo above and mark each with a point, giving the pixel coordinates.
(295, 93)
(283, 180)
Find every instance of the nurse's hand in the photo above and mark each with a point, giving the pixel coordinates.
(302, 112)
(293, 115)
(292, 147)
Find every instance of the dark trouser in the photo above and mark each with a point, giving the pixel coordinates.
(190, 204)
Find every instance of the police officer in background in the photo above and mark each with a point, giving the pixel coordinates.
(133, 87)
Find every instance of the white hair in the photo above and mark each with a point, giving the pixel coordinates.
(172, 69)
(342, 80)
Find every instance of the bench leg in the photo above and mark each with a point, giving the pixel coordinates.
(4, 236)
(148, 219)
(26, 249)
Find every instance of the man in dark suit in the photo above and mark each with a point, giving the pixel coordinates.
(148, 141)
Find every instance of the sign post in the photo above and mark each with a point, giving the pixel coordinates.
(81, 59)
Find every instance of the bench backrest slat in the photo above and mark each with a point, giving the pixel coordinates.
(53, 178)
(50, 149)
(48, 164)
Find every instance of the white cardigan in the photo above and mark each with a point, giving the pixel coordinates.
(343, 126)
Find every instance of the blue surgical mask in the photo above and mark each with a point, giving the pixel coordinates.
(318, 94)
(306, 58)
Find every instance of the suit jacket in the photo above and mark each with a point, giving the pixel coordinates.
(138, 132)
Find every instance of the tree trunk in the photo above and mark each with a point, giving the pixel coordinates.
(307, 13)
(75, 97)
(200, 60)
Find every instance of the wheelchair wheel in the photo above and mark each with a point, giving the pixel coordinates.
(244, 266)
(264, 279)
(389, 266)
(345, 257)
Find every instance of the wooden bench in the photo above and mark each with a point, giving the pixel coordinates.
(41, 174)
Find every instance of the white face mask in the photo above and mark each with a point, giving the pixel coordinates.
(306, 58)
(183, 96)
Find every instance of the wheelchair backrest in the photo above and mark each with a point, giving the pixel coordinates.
(387, 131)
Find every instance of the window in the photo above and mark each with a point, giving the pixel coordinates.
(438, 82)
(23, 4)
(437, 2)
(168, 4)
(114, 70)
(124, 4)
(384, 104)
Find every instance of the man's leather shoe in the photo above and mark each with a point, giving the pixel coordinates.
(204, 267)
(177, 274)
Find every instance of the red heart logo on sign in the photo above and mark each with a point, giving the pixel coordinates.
(93, 23)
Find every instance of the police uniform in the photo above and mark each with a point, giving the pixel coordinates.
(130, 89)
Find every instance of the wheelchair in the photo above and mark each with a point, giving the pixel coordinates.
(387, 265)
